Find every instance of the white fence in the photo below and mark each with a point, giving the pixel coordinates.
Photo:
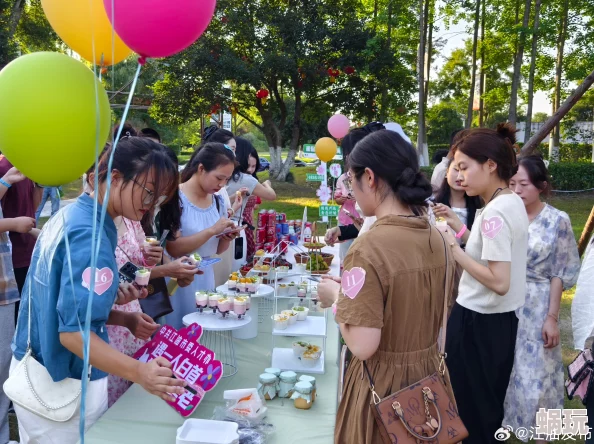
(582, 132)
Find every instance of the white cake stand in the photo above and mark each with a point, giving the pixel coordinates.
(251, 330)
(217, 336)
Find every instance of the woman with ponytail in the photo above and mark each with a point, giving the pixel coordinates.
(391, 324)
(482, 328)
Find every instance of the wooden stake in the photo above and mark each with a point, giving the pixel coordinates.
(585, 237)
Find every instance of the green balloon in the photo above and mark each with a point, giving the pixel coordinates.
(53, 114)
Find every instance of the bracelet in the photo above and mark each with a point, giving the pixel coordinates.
(461, 232)
(6, 184)
(556, 318)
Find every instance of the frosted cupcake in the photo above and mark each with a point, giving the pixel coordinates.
(143, 276)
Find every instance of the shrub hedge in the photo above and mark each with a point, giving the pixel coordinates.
(565, 176)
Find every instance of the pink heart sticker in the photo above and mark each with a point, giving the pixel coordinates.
(352, 282)
(103, 279)
(491, 227)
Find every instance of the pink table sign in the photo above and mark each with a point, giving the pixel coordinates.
(190, 361)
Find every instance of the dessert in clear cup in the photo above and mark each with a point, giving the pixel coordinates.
(292, 289)
(283, 290)
(441, 224)
(195, 259)
(201, 300)
(143, 276)
(242, 286)
(301, 312)
(291, 315)
(213, 301)
(151, 241)
(239, 305)
(224, 304)
(302, 293)
(300, 347)
(248, 302)
(253, 284)
(280, 322)
(232, 283)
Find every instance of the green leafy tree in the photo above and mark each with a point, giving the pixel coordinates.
(442, 119)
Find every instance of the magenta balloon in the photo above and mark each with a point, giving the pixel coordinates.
(160, 28)
(338, 126)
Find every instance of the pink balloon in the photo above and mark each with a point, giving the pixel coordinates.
(159, 28)
(338, 125)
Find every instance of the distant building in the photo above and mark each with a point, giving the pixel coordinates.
(581, 132)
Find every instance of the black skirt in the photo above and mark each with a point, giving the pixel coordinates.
(480, 356)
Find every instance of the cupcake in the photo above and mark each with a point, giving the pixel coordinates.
(301, 313)
(280, 322)
(224, 305)
(195, 259)
(291, 315)
(240, 305)
(213, 300)
(299, 347)
(201, 299)
(143, 276)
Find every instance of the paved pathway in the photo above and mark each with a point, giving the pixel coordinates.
(47, 210)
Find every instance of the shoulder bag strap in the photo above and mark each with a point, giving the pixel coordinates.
(444, 323)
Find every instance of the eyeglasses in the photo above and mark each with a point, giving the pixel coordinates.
(148, 200)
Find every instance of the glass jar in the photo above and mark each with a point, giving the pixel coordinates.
(287, 384)
(312, 381)
(303, 395)
(267, 386)
(276, 372)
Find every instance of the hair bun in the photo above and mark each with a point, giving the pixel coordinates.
(408, 177)
(507, 131)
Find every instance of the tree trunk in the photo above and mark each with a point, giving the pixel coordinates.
(555, 137)
(513, 104)
(421, 145)
(585, 237)
(384, 99)
(15, 16)
(429, 53)
(483, 70)
(528, 128)
(535, 140)
(295, 138)
(473, 75)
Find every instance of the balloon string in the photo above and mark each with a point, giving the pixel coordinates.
(86, 333)
(113, 37)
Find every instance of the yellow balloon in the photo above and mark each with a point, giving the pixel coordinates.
(80, 23)
(326, 149)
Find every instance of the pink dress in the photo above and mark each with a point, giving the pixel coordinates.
(130, 244)
(349, 205)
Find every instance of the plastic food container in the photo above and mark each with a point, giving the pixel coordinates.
(301, 313)
(205, 431)
(291, 315)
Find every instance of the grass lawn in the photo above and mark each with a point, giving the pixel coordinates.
(293, 197)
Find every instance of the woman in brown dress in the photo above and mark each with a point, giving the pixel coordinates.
(392, 322)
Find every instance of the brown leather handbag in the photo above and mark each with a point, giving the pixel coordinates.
(422, 412)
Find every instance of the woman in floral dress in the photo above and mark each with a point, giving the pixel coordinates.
(553, 265)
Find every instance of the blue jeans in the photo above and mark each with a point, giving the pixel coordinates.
(52, 194)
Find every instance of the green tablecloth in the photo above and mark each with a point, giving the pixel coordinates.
(138, 417)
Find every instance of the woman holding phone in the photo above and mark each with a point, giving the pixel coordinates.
(203, 220)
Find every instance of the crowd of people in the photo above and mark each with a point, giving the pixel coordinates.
(510, 255)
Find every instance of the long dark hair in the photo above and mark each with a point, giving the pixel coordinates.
(473, 203)
(244, 150)
(169, 218)
(395, 161)
(211, 155)
(134, 157)
(216, 134)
